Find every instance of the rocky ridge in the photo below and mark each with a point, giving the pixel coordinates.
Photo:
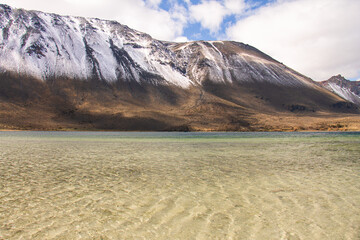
(349, 90)
(47, 46)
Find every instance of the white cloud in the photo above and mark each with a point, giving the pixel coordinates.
(156, 22)
(211, 13)
(181, 39)
(153, 3)
(234, 6)
(142, 15)
(319, 38)
(81, 2)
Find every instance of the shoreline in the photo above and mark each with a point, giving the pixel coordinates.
(200, 131)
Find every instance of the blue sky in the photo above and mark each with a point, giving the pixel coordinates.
(319, 38)
(194, 30)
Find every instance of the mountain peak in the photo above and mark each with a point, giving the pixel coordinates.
(349, 90)
(5, 6)
(47, 46)
(338, 77)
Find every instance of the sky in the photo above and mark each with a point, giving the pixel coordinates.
(318, 38)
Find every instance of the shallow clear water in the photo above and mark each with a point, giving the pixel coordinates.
(91, 185)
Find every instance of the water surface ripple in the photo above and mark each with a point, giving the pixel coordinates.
(90, 185)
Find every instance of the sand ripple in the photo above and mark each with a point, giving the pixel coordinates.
(303, 188)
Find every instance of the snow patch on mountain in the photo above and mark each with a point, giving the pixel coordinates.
(51, 46)
(348, 90)
(344, 92)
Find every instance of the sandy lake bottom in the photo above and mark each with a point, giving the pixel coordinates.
(89, 185)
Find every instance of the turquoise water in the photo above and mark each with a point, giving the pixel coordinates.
(111, 185)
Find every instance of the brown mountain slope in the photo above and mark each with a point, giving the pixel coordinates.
(65, 104)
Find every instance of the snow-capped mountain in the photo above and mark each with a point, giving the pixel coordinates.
(48, 45)
(349, 90)
(64, 72)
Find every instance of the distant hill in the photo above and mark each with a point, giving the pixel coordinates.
(349, 90)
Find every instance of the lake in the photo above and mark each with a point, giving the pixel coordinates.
(116, 185)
